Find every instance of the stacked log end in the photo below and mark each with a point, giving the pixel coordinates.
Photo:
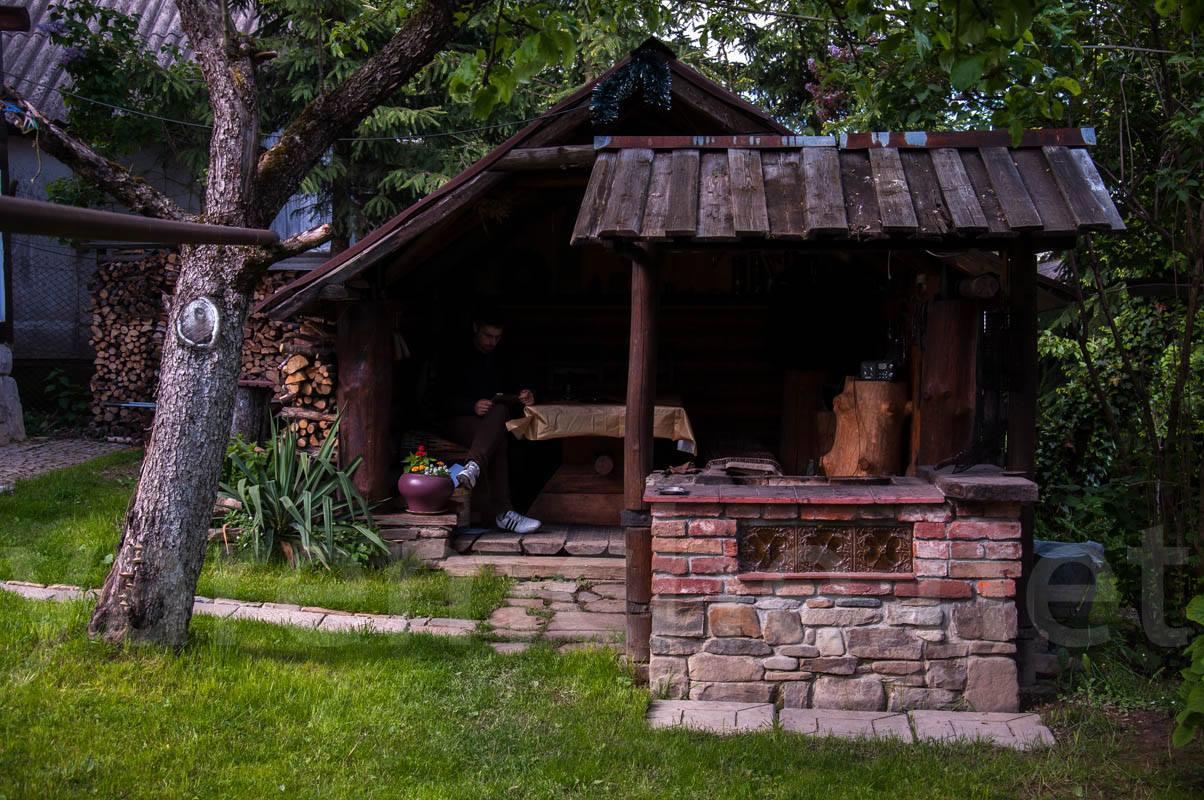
(305, 382)
(131, 292)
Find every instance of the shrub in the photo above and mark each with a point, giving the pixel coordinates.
(1191, 718)
(302, 507)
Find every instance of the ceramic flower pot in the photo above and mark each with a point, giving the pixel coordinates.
(425, 494)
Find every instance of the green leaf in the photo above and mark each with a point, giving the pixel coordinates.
(966, 73)
(923, 43)
(1195, 609)
(1066, 84)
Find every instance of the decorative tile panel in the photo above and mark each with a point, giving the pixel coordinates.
(826, 548)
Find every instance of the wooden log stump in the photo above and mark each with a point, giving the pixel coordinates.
(870, 416)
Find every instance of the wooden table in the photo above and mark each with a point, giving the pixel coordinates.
(544, 421)
(578, 493)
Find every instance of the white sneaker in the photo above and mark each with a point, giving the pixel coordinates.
(469, 476)
(514, 521)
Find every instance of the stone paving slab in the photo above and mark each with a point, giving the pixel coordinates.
(543, 544)
(21, 460)
(1015, 730)
(846, 724)
(586, 621)
(515, 618)
(604, 568)
(712, 717)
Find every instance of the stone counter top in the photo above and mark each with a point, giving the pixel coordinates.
(978, 484)
(796, 491)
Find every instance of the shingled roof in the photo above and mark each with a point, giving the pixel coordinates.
(962, 187)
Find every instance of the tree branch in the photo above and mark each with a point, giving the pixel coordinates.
(226, 61)
(292, 246)
(337, 111)
(126, 187)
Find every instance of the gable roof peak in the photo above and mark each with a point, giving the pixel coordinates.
(655, 45)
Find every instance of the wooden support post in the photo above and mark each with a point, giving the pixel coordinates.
(1022, 412)
(364, 348)
(637, 458)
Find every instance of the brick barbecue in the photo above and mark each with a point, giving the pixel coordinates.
(895, 593)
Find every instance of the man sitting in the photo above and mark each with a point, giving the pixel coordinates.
(476, 380)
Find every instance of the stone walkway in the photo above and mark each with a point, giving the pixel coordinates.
(1018, 731)
(565, 612)
(571, 612)
(31, 457)
(324, 619)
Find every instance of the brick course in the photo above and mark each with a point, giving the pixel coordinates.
(936, 637)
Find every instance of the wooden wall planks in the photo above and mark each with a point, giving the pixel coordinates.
(783, 193)
(860, 198)
(749, 215)
(823, 198)
(894, 198)
(1043, 189)
(1076, 191)
(726, 194)
(594, 202)
(984, 193)
(682, 219)
(656, 210)
(926, 197)
(1018, 207)
(960, 198)
(1091, 175)
(714, 199)
(628, 194)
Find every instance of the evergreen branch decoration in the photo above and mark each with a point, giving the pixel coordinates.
(647, 71)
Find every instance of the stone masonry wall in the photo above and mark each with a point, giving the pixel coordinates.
(942, 636)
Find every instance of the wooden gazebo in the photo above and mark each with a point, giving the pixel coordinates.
(670, 194)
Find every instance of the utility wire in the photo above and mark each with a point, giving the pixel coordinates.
(415, 137)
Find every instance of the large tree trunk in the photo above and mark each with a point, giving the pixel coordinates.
(148, 593)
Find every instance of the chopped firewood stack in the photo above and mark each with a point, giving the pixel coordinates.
(307, 384)
(264, 339)
(130, 290)
(130, 295)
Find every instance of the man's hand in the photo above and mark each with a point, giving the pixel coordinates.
(526, 397)
(482, 407)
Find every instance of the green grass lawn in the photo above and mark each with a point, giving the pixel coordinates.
(62, 527)
(253, 710)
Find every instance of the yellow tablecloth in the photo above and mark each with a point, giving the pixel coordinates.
(561, 420)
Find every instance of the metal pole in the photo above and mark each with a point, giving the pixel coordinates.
(51, 219)
(11, 19)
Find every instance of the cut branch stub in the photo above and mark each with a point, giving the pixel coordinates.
(198, 323)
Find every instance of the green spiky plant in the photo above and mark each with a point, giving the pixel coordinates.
(297, 505)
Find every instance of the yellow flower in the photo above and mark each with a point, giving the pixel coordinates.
(416, 468)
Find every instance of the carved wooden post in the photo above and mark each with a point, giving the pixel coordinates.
(637, 459)
(364, 348)
(1022, 412)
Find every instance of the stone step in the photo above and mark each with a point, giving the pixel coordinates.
(518, 566)
(550, 540)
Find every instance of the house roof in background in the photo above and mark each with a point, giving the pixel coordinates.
(35, 66)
